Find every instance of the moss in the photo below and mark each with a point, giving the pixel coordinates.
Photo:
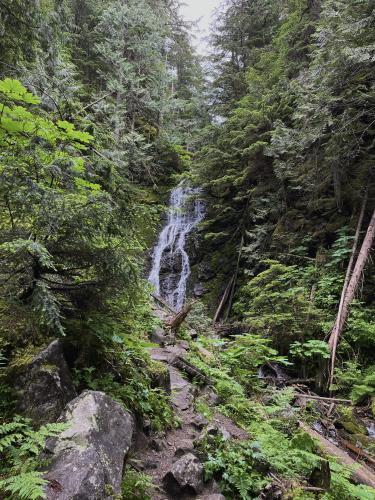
(22, 358)
(157, 368)
(350, 423)
(49, 367)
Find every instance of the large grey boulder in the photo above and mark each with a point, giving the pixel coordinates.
(88, 457)
(185, 477)
(45, 385)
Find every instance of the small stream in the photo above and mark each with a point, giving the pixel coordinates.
(170, 260)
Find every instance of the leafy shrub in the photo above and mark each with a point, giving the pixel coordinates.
(277, 303)
(234, 465)
(135, 394)
(245, 354)
(363, 391)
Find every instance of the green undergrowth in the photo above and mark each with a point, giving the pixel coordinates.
(276, 445)
(136, 485)
(124, 369)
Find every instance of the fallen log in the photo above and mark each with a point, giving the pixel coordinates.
(191, 370)
(359, 473)
(164, 303)
(228, 330)
(292, 381)
(175, 323)
(358, 451)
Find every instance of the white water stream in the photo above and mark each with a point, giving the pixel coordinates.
(170, 260)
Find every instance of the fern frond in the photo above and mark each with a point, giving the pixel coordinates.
(27, 486)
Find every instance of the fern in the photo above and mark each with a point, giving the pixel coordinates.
(26, 486)
(20, 448)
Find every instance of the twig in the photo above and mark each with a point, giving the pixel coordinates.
(321, 398)
(92, 103)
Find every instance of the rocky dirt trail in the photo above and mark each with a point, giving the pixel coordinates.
(170, 458)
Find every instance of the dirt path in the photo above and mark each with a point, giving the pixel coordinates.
(159, 453)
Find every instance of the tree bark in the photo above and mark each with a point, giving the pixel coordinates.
(337, 328)
(223, 300)
(176, 322)
(360, 473)
(351, 290)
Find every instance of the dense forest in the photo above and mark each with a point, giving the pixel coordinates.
(265, 379)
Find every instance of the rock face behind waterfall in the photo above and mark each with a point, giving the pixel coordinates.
(171, 260)
(87, 458)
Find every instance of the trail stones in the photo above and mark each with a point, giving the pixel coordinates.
(185, 476)
(158, 336)
(87, 458)
(186, 446)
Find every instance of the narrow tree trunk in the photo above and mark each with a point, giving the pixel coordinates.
(338, 326)
(349, 292)
(349, 269)
(230, 301)
(223, 300)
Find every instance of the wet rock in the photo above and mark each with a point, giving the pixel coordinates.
(159, 336)
(199, 422)
(228, 425)
(184, 344)
(205, 272)
(86, 460)
(214, 496)
(46, 385)
(185, 477)
(161, 378)
(193, 334)
(182, 397)
(184, 447)
(157, 444)
(351, 423)
(199, 290)
(210, 396)
(216, 429)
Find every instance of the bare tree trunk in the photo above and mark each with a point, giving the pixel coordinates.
(314, 7)
(223, 300)
(351, 288)
(230, 301)
(339, 324)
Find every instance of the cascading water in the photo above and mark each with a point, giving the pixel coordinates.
(170, 261)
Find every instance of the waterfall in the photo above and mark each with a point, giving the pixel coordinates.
(170, 261)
